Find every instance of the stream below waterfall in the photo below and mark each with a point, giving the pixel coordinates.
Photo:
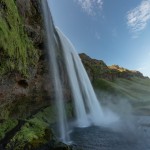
(126, 136)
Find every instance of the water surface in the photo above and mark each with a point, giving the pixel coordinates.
(125, 136)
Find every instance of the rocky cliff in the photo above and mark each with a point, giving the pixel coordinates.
(24, 77)
(118, 87)
(26, 90)
(97, 69)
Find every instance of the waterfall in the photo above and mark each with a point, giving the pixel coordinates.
(87, 108)
(52, 46)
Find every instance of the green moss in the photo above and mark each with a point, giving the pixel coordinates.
(6, 126)
(17, 51)
(104, 85)
(36, 131)
(33, 130)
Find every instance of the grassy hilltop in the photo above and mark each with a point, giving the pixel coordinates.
(119, 83)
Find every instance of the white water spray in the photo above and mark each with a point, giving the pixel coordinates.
(52, 46)
(87, 108)
(81, 87)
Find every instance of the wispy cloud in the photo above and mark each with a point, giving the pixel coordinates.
(89, 6)
(137, 18)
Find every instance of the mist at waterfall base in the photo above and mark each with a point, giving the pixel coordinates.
(88, 110)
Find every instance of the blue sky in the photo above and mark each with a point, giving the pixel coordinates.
(116, 31)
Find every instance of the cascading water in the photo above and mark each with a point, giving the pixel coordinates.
(52, 46)
(83, 93)
(87, 108)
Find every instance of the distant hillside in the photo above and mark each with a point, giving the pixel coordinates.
(114, 84)
(98, 69)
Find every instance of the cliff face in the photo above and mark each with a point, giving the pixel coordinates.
(26, 91)
(24, 77)
(24, 73)
(121, 72)
(25, 82)
(97, 69)
(114, 85)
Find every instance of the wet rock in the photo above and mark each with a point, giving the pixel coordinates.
(18, 93)
(30, 10)
(33, 133)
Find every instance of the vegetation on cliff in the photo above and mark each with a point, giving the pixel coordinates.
(17, 52)
(114, 83)
(6, 126)
(32, 133)
(134, 91)
(26, 112)
(97, 69)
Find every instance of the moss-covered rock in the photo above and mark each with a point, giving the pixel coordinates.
(24, 74)
(33, 133)
(16, 50)
(6, 126)
(26, 90)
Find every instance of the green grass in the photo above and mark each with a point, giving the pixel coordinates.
(104, 85)
(135, 90)
(16, 50)
(138, 89)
